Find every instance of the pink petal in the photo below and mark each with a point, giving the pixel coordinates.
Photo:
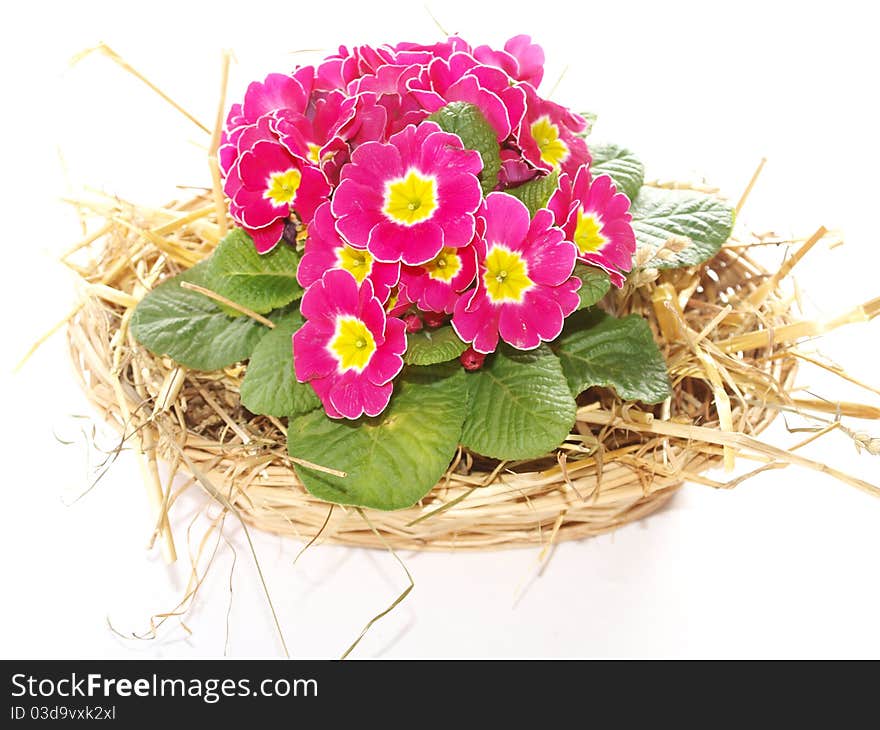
(458, 231)
(310, 356)
(515, 329)
(371, 312)
(335, 294)
(346, 396)
(384, 367)
(475, 320)
(265, 239)
(322, 387)
(550, 258)
(312, 192)
(468, 89)
(507, 221)
(529, 57)
(413, 245)
(542, 314)
(353, 396)
(567, 297)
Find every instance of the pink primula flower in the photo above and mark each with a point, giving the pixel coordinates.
(398, 303)
(348, 350)
(524, 284)
(423, 54)
(514, 170)
(325, 250)
(266, 183)
(596, 218)
(408, 199)
(389, 86)
(549, 135)
(521, 59)
(278, 92)
(339, 70)
(436, 285)
(463, 78)
(335, 125)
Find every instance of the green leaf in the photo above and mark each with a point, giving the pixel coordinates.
(536, 193)
(428, 347)
(270, 387)
(190, 328)
(659, 214)
(394, 459)
(594, 284)
(597, 349)
(260, 282)
(592, 118)
(621, 165)
(519, 405)
(468, 122)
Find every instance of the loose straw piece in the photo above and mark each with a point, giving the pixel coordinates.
(762, 292)
(119, 60)
(227, 505)
(46, 335)
(799, 330)
(183, 220)
(108, 293)
(836, 369)
(752, 181)
(672, 323)
(317, 467)
(397, 601)
(228, 302)
(213, 163)
(87, 241)
(722, 438)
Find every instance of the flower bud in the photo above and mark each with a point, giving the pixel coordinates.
(413, 323)
(434, 319)
(471, 359)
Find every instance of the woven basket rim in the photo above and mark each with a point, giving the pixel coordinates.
(544, 500)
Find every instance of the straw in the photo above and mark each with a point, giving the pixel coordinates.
(729, 359)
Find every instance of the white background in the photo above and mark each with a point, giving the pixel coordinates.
(785, 565)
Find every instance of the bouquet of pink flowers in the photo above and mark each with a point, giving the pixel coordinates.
(428, 238)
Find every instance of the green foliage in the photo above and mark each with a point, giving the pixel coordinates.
(259, 282)
(269, 386)
(660, 214)
(468, 122)
(190, 328)
(428, 347)
(536, 193)
(594, 284)
(394, 459)
(519, 405)
(621, 165)
(597, 349)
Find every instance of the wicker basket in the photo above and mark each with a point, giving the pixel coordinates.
(623, 461)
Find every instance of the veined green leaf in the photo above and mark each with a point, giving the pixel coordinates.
(394, 459)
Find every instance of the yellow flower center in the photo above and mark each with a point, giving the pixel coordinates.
(281, 187)
(410, 199)
(357, 263)
(445, 266)
(588, 232)
(553, 150)
(507, 275)
(352, 344)
(314, 152)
